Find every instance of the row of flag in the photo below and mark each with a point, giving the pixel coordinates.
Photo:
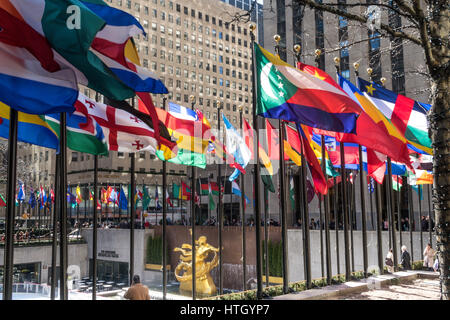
(43, 60)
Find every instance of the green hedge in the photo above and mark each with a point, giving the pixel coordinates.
(275, 258)
(294, 287)
(154, 250)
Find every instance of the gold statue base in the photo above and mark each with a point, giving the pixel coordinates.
(203, 287)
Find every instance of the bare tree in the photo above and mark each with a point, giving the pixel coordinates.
(426, 26)
(24, 172)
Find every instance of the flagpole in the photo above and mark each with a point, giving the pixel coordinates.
(419, 187)
(164, 225)
(63, 224)
(304, 197)
(391, 205)
(132, 209)
(326, 200)
(266, 237)
(220, 205)
(336, 223)
(411, 219)
(371, 206)
(352, 206)
(379, 210)
(10, 203)
(94, 231)
(193, 215)
(344, 197)
(399, 210)
(243, 206)
(56, 210)
(256, 177)
(282, 183)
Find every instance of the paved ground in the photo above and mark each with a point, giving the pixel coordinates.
(419, 289)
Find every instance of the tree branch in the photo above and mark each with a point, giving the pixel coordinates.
(360, 19)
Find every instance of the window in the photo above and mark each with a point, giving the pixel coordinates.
(74, 156)
(185, 10)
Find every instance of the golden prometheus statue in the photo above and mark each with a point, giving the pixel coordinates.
(204, 283)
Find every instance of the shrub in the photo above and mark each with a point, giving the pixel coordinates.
(154, 250)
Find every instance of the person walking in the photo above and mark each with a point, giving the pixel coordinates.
(405, 259)
(390, 261)
(428, 257)
(137, 291)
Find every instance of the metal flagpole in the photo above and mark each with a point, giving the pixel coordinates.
(344, 197)
(266, 236)
(411, 218)
(336, 223)
(94, 231)
(420, 215)
(131, 197)
(351, 218)
(164, 224)
(363, 212)
(56, 211)
(399, 210)
(363, 198)
(303, 187)
(325, 198)
(220, 205)
(256, 177)
(8, 264)
(390, 195)
(283, 207)
(379, 211)
(62, 194)
(193, 215)
(243, 206)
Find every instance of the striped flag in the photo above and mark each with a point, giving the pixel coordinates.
(71, 43)
(284, 92)
(236, 146)
(407, 115)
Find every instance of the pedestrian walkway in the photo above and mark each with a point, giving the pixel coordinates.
(354, 287)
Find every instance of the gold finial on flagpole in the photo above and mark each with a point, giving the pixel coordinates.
(356, 66)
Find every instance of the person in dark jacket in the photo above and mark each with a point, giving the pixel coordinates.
(405, 259)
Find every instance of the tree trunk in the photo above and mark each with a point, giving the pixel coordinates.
(439, 132)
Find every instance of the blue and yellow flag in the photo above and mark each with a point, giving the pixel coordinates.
(32, 129)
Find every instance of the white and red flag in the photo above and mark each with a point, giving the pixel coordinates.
(124, 131)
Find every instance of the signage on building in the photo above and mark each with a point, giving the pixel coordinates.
(108, 254)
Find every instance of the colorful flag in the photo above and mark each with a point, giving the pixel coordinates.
(185, 191)
(31, 129)
(373, 129)
(31, 80)
(3, 201)
(191, 130)
(123, 202)
(84, 134)
(145, 199)
(236, 146)
(32, 200)
(315, 171)
(157, 204)
(168, 199)
(124, 131)
(213, 188)
(21, 192)
(407, 115)
(72, 42)
(78, 193)
(287, 93)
